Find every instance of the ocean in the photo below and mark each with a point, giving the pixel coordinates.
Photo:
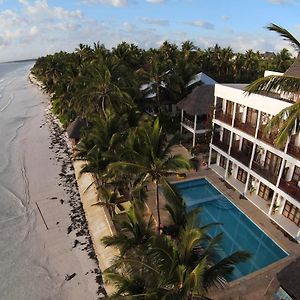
(23, 271)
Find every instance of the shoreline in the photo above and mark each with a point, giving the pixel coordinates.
(91, 221)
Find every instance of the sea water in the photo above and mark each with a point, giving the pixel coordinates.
(22, 273)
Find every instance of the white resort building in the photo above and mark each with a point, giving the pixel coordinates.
(240, 153)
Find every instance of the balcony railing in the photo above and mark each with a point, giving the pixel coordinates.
(269, 139)
(291, 188)
(220, 144)
(264, 172)
(226, 118)
(240, 156)
(199, 125)
(246, 127)
(293, 150)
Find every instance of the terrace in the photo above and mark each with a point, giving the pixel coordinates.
(291, 188)
(264, 172)
(293, 150)
(246, 127)
(240, 155)
(223, 145)
(224, 117)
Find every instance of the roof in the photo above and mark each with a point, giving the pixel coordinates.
(203, 78)
(199, 101)
(75, 127)
(294, 69)
(288, 278)
(238, 86)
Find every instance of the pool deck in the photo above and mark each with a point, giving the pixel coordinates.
(259, 284)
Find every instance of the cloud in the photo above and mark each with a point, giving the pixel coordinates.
(225, 18)
(156, 1)
(201, 23)
(157, 22)
(116, 3)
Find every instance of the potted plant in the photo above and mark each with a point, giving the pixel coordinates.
(251, 189)
(275, 207)
(229, 171)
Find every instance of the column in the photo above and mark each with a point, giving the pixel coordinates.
(257, 123)
(272, 204)
(181, 121)
(194, 132)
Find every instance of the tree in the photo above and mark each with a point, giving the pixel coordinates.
(182, 268)
(148, 155)
(289, 84)
(135, 230)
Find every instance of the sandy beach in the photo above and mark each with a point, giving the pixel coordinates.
(64, 245)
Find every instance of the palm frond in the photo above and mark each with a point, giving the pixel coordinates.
(287, 36)
(274, 83)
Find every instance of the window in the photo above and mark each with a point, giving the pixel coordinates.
(251, 116)
(247, 147)
(222, 162)
(226, 136)
(242, 175)
(272, 163)
(296, 174)
(229, 108)
(292, 212)
(265, 192)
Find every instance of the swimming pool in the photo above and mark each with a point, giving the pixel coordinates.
(240, 233)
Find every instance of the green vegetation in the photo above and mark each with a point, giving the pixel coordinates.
(127, 149)
(286, 119)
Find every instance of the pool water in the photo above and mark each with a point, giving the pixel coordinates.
(240, 233)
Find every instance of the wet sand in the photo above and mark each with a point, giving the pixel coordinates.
(60, 226)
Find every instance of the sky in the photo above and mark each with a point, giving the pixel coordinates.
(32, 28)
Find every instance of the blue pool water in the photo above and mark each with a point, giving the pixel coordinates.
(240, 233)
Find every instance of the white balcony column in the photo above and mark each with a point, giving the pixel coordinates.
(257, 124)
(282, 207)
(298, 235)
(194, 132)
(280, 172)
(214, 108)
(286, 145)
(209, 157)
(272, 204)
(246, 184)
(226, 169)
(252, 155)
(181, 121)
(234, 113)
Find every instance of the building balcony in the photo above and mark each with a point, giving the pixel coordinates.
(246, 127)
(269, 139)
(199, 125)
(220, 144)
(291, 188)
(226, 118)
(293, 150)
(240, 156)
(265, 173)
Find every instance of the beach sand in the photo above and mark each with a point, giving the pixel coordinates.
(60, 224)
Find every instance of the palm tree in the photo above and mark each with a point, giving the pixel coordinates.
(148, 155)
(289, 84)
(135, 231)
(184, 268)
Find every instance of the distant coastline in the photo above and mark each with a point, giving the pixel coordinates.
(17, 61)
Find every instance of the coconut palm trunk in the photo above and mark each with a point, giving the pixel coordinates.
(158, 207)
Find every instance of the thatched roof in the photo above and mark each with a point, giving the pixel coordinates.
(288, 278)
(294, 69)
(199, 101)
(75, 127)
